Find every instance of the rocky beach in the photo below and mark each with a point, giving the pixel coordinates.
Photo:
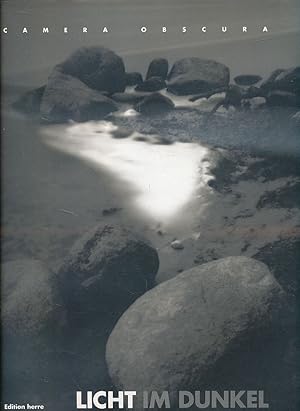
(167, 210)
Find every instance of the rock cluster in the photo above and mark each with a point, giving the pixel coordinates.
(57, 324)
(91, 84)
(168, 337)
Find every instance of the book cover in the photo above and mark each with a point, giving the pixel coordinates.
(150, 204)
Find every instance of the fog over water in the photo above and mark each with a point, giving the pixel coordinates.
(36, 53)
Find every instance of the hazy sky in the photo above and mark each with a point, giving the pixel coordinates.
(38, 52)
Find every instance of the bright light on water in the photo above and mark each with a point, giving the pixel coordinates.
(164, 177)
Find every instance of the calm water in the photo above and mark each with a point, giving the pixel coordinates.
(164, 178)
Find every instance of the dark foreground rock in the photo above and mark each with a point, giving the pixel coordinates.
(173, 337)
(99, 68)
(66, 97)
(106, 270)
(155, 104)
(194, 75)
(152, 84)
(158, 68)
(247, 79)
(133, 78)
(30, 102)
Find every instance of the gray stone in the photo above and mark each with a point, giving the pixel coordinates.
(289, 80)
(155, 104)
(268, 84)
(253, 91)
(129, 98)
(106, 270)
(133, 78)
(122, 132)
(209, 94)
(173, 337)
(177, 245)
(283, 98)
(99, 68)
(194, 75)
(30, 299)
(66, 97)
(247, 79)
(283, 80)
(257, 102)
(152, 84)
(158, 68)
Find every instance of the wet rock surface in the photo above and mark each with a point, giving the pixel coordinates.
(97, 67)
(66, 97)
(155, 104)
(194, 75)
(247, 79)
(106, 271)
(283, 99)
(133, 78)
(152, 84)
(129, 98)
(158, 68)
(188, 324)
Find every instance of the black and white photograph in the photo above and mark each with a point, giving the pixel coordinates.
(150, 205)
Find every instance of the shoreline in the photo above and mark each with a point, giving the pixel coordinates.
(225, 50)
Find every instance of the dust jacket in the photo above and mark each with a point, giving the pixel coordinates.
(150, 204)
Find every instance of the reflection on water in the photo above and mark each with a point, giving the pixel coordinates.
(164, 177)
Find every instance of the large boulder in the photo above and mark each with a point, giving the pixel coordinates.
(106, 270)
(194, 75)
(158, 68)
(155, 104)
(175, 335)
(152, 84)
(66, 97)
(30, 102)
(99, 68)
